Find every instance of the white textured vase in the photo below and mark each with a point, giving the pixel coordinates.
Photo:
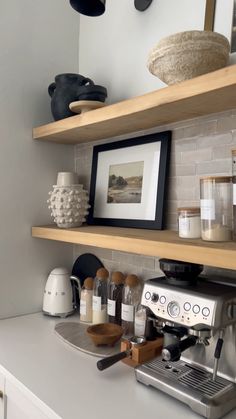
(68, 205)
(189, 54)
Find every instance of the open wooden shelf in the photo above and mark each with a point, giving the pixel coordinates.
(210, 93)
(164, 243)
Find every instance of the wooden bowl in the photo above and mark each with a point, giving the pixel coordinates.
(105, 333)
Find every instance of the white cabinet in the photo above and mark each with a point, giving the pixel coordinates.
(18, 404)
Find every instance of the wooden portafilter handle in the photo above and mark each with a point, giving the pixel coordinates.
(104, 363)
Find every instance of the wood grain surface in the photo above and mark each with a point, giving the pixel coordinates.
(156, 243)
(210, 93)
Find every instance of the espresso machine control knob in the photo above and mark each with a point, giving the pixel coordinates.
(155, 297)
(173, 309)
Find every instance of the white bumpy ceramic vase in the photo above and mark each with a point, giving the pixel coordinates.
(68, 203)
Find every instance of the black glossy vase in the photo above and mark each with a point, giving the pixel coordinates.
(65, 90)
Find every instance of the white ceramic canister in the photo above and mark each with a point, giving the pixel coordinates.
(189, 222)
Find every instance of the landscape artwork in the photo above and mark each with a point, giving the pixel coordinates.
(125, 183)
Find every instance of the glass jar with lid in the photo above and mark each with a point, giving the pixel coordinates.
(114, 301)
(234, 191)
(100, 296)
(86, 297)
(189, 222)
(216, 208)
(130, 301)
(140, 320)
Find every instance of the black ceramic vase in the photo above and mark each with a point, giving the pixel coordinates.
(65, 90)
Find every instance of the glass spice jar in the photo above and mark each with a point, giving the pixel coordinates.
(189, 222)
(140, 320)
(100, 296)
(130, 300)
(86, 298)
(216, 208)
(115, 290)
(234, 191)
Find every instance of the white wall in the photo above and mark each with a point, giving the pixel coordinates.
(114, 47)
(38, 39)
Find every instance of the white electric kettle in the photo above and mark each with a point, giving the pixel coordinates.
(58, 293)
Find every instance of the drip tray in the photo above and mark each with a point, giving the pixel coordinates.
(191, 385)
(191, 377)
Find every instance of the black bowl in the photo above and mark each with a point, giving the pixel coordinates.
(92, 92)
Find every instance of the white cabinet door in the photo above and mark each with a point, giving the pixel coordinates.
(19, 405)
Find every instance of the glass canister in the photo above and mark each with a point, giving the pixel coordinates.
(234, 191)
(100, 296)
(130, 301)
(140, 320)
(114, 301)
(189, 222)
(86, 301)
(216, 208)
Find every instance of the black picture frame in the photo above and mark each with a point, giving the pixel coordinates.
(162, 142)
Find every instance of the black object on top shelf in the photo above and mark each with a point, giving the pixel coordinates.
(97, 7)
(71, 87)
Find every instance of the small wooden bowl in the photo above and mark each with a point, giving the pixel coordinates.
(105, 333)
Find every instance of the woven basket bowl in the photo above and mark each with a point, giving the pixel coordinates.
(189, 54)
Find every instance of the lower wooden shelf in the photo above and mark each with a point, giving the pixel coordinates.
(164, 243)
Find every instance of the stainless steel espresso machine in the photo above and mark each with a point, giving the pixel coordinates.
(198, 319)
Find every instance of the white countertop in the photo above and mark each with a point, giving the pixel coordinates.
(68, 381)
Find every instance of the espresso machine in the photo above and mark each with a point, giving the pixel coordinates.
(197, 317)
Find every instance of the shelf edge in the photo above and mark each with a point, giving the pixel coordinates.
(206, 255)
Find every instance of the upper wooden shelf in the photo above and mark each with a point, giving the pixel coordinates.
(164, 243)
(210, 93)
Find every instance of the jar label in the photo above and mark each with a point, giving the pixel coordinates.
(127, 312)
(111, 307)
(97, 303)
(234, 193)
(184, 225)
(83, 307)
(208, 209)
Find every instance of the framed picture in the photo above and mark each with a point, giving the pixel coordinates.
(224, 19)
(233, 35)
(128, 182)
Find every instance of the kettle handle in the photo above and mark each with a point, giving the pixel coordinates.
(76, 279)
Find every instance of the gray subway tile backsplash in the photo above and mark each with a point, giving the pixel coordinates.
(199, 147)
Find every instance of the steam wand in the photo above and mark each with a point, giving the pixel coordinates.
(217, 353)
